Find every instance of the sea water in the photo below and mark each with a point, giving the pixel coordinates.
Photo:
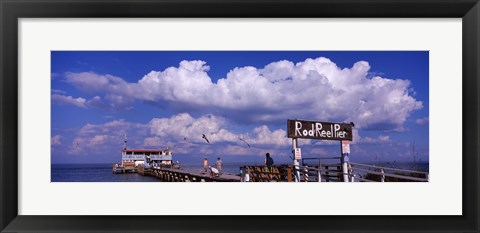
(93, 173)
(103, 172)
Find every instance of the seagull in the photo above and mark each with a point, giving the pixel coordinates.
(205, 137)
(245, 142)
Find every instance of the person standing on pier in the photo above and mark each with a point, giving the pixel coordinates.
(205, 165)
(268, 160)
(219, 165)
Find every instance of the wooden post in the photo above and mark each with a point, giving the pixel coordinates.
(327, 177)
(350, 171)
(383, 175)
(289, 174)
(305, 174)
(296, 163)
(319, 174)
(345, 150)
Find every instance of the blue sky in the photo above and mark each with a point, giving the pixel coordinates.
(170, 98)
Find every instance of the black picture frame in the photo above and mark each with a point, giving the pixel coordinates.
(12, 10)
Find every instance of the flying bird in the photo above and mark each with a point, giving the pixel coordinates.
(245, 142)
(205, 137)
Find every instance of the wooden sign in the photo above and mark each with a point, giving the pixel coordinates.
(320, 130)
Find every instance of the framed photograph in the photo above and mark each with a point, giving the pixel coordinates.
(311, 116)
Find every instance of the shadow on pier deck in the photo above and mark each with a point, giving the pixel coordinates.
(180, 175)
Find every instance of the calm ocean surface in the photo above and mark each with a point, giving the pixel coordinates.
(103, 172)
(93, 173)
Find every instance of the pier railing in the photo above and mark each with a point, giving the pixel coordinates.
(374, 173)
(320, 170)
(330, 172)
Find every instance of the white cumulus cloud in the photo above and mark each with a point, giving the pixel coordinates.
(314, 89)
(56, 140)
(422, 121)
(183, 127)
(183, 133)
(379, 139)
(69, 100)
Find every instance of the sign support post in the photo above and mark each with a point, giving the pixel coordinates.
(345, 148)
(296, 162)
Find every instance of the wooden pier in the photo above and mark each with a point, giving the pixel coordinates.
(179, 175)
(324, 172)
(125, 168)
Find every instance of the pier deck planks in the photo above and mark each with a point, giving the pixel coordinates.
(198, 174)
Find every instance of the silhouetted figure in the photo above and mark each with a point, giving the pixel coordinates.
(219, 165)
(205, 165)
(268, 160)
